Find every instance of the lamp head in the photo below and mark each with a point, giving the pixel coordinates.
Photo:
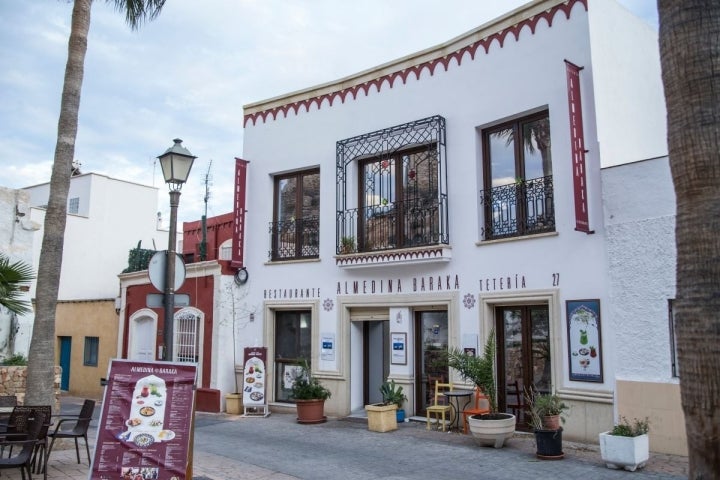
(176, 163)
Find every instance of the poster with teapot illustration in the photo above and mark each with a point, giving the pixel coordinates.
(584, 340)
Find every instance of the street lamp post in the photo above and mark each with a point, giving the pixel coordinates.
(176, 163)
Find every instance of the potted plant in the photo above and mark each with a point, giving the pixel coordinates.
(392, 393)
(488, 429)
(309, 395)
(626, 445)
(347, 245)
(384, 417)
(546, 414)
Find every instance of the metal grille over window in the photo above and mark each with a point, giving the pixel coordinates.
(186, 337)
(401, 176)
(295, 230)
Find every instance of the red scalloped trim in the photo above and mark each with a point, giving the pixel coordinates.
(430, 65)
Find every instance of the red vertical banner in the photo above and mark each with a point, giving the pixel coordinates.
(577, 144)
(239, 213)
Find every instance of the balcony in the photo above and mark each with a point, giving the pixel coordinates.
(407, 231)
(295, 239)
(523, 208)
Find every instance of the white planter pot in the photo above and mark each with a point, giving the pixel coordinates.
(629, 453)
(491, 433)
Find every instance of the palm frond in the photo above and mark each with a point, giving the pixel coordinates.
(14, 278)
(138, 11)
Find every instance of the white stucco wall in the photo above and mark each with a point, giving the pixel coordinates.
(629, 98)
(16, 241)
(119, 214)
(520, 77)
(640, 217)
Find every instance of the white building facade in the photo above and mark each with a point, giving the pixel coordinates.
(106, 219)
(450, 195)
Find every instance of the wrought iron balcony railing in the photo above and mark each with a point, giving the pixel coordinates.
(295, 239)
(523, 208)
(413, 223)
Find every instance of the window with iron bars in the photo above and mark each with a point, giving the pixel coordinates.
(392, 188)
(518, 197)
(295, 229)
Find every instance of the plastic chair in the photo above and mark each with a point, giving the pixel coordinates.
(23, 460)
(78, 429)
(440, 406)
(476, 408)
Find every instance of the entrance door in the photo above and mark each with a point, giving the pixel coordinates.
(376, 348)
(143, 340)
(523, 363)
(431, 343)
(65, 350)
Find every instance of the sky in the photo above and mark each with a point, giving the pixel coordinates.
(188, 73)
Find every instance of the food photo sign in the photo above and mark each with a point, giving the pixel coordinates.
(254, 375)
(145, 423)
(584, 340)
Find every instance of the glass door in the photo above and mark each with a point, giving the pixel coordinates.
(292, 348)
(523, 356)
(431, 344)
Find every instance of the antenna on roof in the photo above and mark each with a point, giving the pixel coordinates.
(203, 244)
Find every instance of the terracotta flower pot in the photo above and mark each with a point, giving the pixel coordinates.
(310, 411)
(551, 422)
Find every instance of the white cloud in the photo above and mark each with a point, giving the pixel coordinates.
(188, 74)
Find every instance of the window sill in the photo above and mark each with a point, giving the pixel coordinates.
(483, 243)
(405, 256)
(288, 262)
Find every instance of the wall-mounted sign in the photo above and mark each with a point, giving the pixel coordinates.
(399, 348)
(146, 421)
(584, 340)
(327, 346)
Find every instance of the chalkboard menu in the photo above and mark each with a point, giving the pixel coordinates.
(145, 428)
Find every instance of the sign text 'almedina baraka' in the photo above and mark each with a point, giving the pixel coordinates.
(422, 284)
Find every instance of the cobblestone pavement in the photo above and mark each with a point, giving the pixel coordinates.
(277, 448)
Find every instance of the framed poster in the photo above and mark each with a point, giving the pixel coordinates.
(399, 348)
(584, 340)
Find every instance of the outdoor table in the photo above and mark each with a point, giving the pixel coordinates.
(454, 397)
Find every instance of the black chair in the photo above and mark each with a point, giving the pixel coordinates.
(78, 429)
(8, 400)
(23, 459)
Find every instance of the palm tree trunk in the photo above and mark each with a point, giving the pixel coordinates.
(690, 57)
(41, 358)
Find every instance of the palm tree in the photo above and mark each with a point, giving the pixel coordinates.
(14, 280)
(41, 358)
(689, 54)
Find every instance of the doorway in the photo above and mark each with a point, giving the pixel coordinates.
(431, 344)
(523, 356)
(376, 348)
(65, 351)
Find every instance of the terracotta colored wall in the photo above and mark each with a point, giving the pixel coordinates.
(80, 319)
(200, 290)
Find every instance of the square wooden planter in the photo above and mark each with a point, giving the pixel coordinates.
(381, 418)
